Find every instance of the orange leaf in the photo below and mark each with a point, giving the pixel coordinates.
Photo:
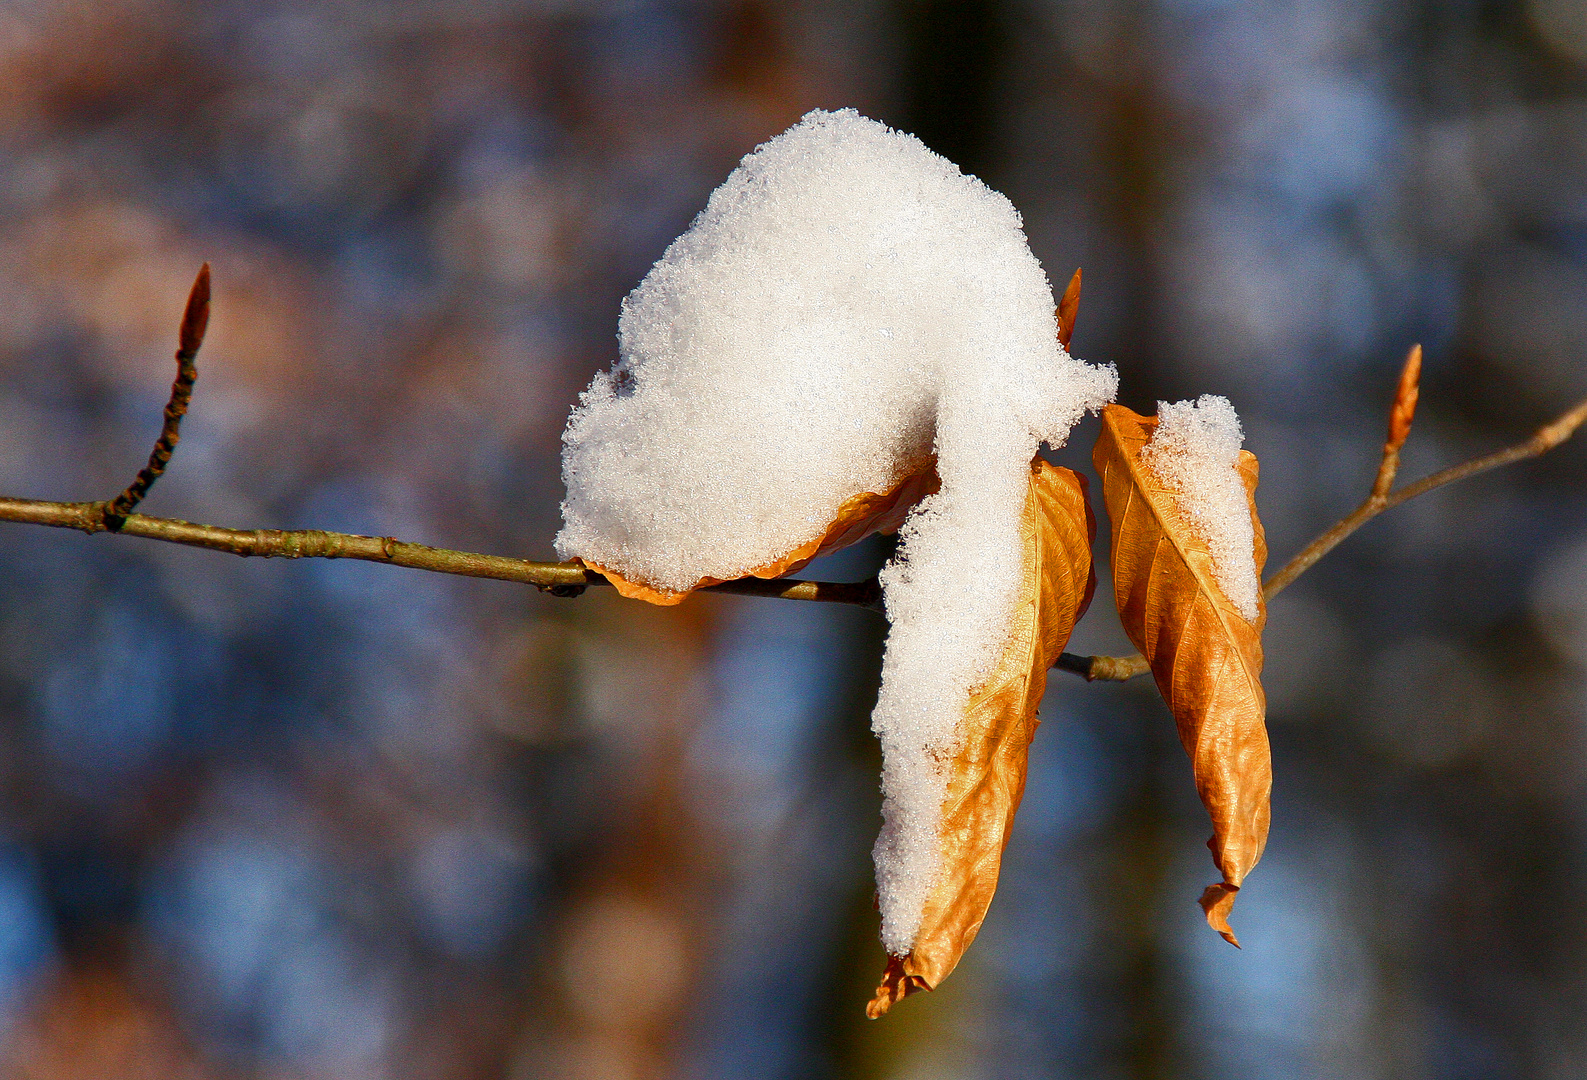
(858, 517)
(987, 777)
(1206, 658)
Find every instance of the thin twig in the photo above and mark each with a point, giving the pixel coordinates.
(195, 320)
(1546, 438)
(1542, 441)
(564, 579)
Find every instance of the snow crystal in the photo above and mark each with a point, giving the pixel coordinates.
(847, 304)
(1195, 452)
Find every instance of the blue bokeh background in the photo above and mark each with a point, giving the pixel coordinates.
(284, 820)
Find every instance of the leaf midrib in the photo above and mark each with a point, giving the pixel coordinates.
(1209, 589)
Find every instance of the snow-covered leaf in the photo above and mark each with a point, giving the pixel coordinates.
(847, 305)
(859, 516)
(1205, 655)
(987, 776)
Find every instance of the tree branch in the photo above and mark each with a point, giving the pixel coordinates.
(1546, 438)
(560, 579)
(572, 578)
(115, 515)
(1400, 416)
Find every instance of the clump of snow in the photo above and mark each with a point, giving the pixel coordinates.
(847, 304)
(1195, 451)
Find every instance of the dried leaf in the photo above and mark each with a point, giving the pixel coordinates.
(858, 517)
(987, 777)
(1206, 658)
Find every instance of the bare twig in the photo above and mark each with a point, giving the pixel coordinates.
(565, 579)
(195, 320)
(1543, 440)
(1400, 416)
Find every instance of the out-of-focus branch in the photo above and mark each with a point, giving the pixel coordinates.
(1546, 438)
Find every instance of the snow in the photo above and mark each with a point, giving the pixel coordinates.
(847, 304)
(1195, 452)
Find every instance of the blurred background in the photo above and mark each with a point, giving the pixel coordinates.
(299, 821)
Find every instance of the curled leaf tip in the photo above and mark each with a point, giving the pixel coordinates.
(896, 986)
(1068, 308)
(1217, 901)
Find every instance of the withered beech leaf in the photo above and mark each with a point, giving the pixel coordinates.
(1206, 658)
(987, 776)
(859, 516)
